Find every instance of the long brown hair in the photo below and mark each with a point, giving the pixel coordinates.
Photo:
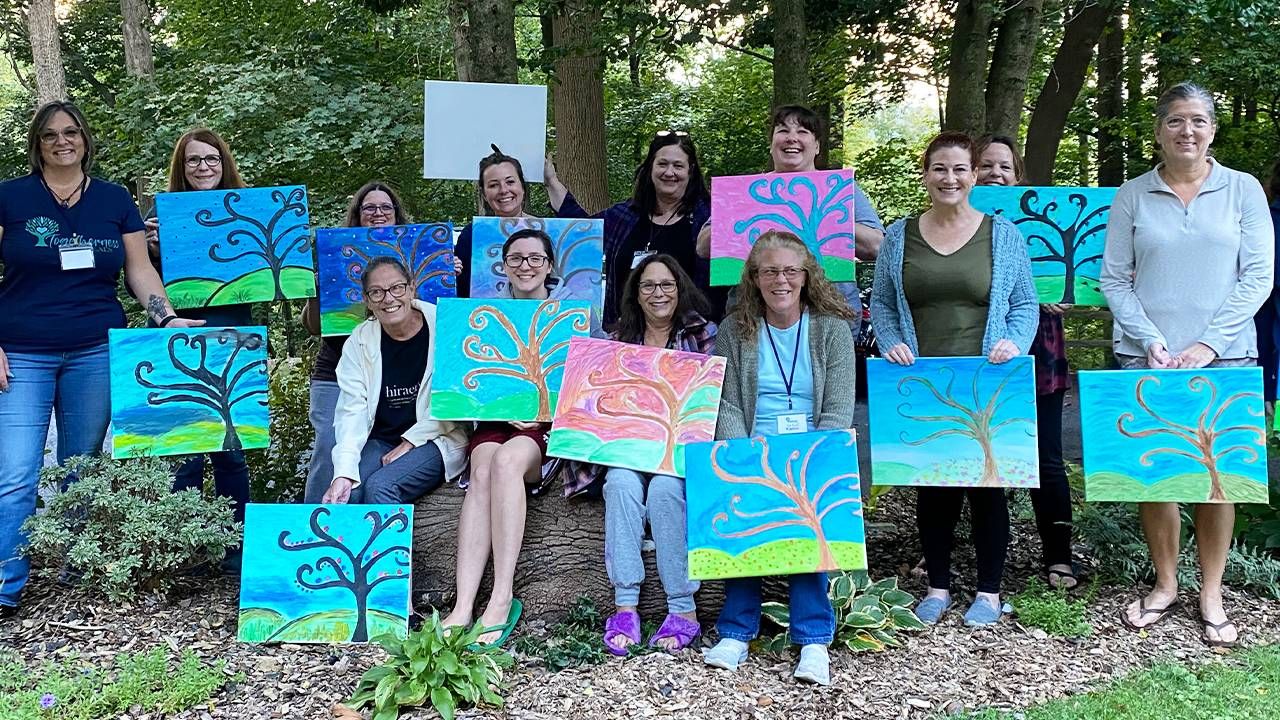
(231, 179)
(818, 295)
(689, 299)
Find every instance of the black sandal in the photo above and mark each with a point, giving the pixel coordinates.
(1072, 574)
(1144, 611)
(1218, 628)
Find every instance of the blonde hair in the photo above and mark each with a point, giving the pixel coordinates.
(818, 295)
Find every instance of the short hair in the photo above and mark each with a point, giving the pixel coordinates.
(41, 118)
(383, 261)
(986, 141)
(497, 157)
(950, 139)
(529, 232)
(1185, 91)
(353, 208)
(800, 115)
(645, 195)
(231, 179)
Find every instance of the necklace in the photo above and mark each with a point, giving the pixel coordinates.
(65, 202)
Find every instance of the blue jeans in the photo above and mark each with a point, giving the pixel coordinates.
(74, 386)
(324, 401)
(406, 479)
(230, 477)
(812, 619)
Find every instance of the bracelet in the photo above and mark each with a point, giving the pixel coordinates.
(166, 320)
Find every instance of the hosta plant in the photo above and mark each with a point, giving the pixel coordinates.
(869, 615)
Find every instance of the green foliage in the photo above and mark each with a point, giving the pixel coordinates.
(121, 530)
(279, 473)
(74, 690)
(433, 665)
(1053, 611)
(1257, 524)
(575, 641)
(869, 615)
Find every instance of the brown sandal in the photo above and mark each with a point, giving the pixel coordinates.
(1218, 628)
(1144, 611)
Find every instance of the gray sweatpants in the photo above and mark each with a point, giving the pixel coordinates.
(625, 512)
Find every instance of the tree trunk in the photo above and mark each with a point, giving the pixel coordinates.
(990, 470)
(46, 52)
(1061, 88)
(361, 632)
(967, 68)
(484, 40)
(1111, 103)
(1134, 73)
(231, 439)
(138, 59)
(578, 103)
(1216, 493)
(457, 12)
(1010, 64)
(790, 53)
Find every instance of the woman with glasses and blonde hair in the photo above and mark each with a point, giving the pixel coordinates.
(790, 369)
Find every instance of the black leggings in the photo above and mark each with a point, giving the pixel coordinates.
(937, 512)
(1052, 501)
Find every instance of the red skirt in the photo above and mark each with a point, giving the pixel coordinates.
(500, 432)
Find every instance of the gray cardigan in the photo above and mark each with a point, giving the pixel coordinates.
(834, 376)
(1013, 310)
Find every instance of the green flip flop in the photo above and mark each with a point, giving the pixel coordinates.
(513, 617)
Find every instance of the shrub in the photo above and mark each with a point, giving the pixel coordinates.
(575, 641)
(869, 615)
(121, 529)
(279, 473)
(1051, 610)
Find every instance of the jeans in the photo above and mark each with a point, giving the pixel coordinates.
(324, 401)
(406, 479)
(937, 512)
(1052, 500)
(230, 477)
(812, 619)
(625, 512)
(74, 386)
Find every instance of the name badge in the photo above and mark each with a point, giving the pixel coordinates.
(640, 255)
(76, 257)
(792, 423)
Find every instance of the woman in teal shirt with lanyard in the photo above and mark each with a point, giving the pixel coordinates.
(790, 368)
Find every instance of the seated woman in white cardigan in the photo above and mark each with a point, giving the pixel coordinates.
(388, 450)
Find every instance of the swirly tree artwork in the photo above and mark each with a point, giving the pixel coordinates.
(325, 573)
(579, 255)
(1065, 228)
(189, 390)
(227, 247)
(426, 250)
(503, 359)
(776, 505)
(816, 206)
(954, 422)
(633, 406)
(1174, 435)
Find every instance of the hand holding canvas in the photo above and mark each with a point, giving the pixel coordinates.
(1003, 351)
(339, 491)
(900, 354)
(1196, 356)
(153, 236)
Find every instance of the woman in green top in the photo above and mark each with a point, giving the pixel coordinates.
(955, 282)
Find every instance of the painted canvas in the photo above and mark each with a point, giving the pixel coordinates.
(953, 422)
(1174, 435)
(776, 505)
(461, 120)
(1066, 230)
(226, 247)
(816, 206)
(188, 390)
(425, 249)
(633, 406)
(579, 249)
(503, 359)
(325, 573)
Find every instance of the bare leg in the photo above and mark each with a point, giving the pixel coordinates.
(473, 535)
(1214, 524)
(517, 462)
(1162, 525)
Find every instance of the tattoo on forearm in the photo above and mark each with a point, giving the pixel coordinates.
(155, 307)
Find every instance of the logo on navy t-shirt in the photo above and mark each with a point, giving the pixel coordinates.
(43, 229)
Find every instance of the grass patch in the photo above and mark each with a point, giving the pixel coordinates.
(1053, 611)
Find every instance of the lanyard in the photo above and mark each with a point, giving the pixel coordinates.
(795, 355)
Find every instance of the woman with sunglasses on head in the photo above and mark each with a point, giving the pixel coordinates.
(375, 204)
(500, 192)
(65, 237)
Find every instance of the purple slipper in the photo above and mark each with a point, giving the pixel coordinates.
(682, 629)
(626, 624)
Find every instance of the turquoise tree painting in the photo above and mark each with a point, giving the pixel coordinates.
(503, 359)
(325, 573)
(578, 245)
(1065, 228)
(777, 505)
(426, 250)
(189, 390)
(1174, 435)
(225, 247)
(953, 421)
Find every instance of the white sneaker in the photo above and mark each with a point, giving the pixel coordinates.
(727, 654)
(814, 665)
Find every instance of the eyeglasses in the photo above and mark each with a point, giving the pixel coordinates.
(212, 161)
(515, 261)
(383, 209)
(772, 273)
(666, 286)
(1177, 122)
(378, 294)
(669, 133)
(49, 137)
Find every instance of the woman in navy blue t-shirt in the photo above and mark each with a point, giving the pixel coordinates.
(64, 238)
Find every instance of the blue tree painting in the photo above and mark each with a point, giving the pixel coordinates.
(579, 249)
(189, 390)
(776, 505)
(1065, 229)
(425, 249)
(225, 247)
(1174, 435)
(325, 573)
(953, 421)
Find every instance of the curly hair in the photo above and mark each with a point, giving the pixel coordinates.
(689, 299)
(818, 295)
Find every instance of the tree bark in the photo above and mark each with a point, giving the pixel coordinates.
(967, 68)
(1061, 88)
(46, 52)
(578, 103)
(1110, 103)
(139, 61)
(484, 40)
(457, 12)
(1010, 63)
(790, 53)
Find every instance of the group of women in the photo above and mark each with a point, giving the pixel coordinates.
(1188, 261)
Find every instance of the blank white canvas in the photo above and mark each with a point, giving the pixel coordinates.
(461, 120)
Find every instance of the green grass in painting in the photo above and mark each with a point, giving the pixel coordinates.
(342, 322)
(257, 624)
(257, 286)
(643, 455)
(1246, 686)
(1187, 487)
(838, 269)
(780, 557)
(449, 405)
(891, 473)
(266, 625)
(726, 271)
(1049, 289)
(191, 293)
(198, 437)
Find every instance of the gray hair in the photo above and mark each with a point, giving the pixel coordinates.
(1185, 91)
